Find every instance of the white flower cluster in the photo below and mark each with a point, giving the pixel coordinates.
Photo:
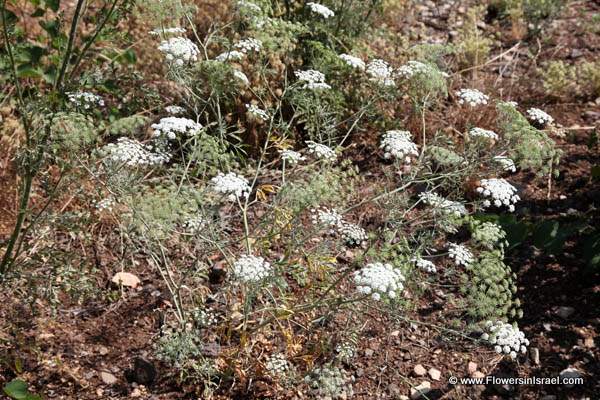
(85, 100)
(540, 117)
(505, 338)
(170, 127)
(444, 205)
(204, 318)
(232, 185)
(353, 62)
(239, 75)
(277, 365)
(352, 234)
(425, 265)
(327, 218)
(166, 31)
(411, 69)
(500, 191)
(489, 234)
(321, 151)
(460, 254)
(179, 50)
(380, 72)
(399, 144)
(483, 133)
(291, 157)
(248, 6)
(507, 163)
(250, 268)
(175, 110)
(194, 224)
(133, 153)
(313, 80)
(248, 45)
(320, 9)
(232, 55)
(257, 112)
(378, 279)
(106, 204)
(345, 351)
(472, 97)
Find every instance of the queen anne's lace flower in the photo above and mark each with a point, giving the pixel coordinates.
(425, 265)
(540, 117)
(204, 318)
(106, 204)
(166, 31)
(352, 234)
(257, 112)
(248, 6)
(174, 110)
(483, 133)
(313, 80)
(194, 224)
(399, 144)
(472, 97)
(179, 50)
(443, 205)
(505, 338)
(249, 45)
(132, 153)
(321, 151)
(353, 62)
(250, 268)
(327, 218)
(85, 100)
(240, 76)
(460, 254)
(170, 127)
(500, 192)
(232, 55)
(489, 234)
(378, 279)
(506, 163)
(320, 9)
(411, 69)
(291, 157)
(232, 185)
(380, 72)
(277, 365)
(345, 351)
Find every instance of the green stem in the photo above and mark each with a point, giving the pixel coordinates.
(74, 22)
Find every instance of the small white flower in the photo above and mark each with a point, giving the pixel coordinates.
(175, 110)
(166, 31)
(233, 185)
(425, 265)
(327, 218)
(291, 157)
(472, 97)
(399, 145)
(353, 62)
(257, 112)
(132, 153)
(277, 365)
(540, 117)
(507, 339)
(179, 51)
(352, 234)
(321, 151)
(232, 55)
(411, 69)
(251, 269)
(106, 204)
(170, 127)
(313, 80)
(506, 163)
(380, 72)
(320, 9)
(194, 224)
(483, 133)
(460, 254)
(378, 279)
(248, 6)
(249, 45)
(500, 192)
(239, 75)
(443, 205)
(85, 100)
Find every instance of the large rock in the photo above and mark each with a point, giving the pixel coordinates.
(420, 391)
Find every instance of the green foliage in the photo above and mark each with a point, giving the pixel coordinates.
(129, 126)
(72, 133)
(539, 12)
(530, 148)
(472, 47)
(445, 157)
(19, 390)
(179, 348)
(489, 287)
(558, 78)
(589, 78)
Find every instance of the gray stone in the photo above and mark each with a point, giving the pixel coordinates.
(534, 355)
(565, 312)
